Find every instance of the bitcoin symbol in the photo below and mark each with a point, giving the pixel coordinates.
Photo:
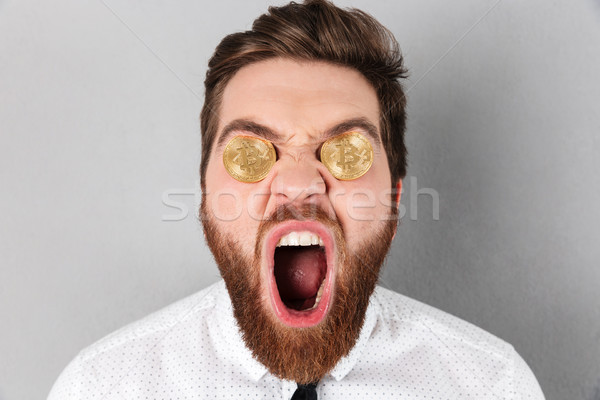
(347, 156)
(248, 159)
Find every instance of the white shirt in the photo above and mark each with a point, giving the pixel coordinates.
(193, 350)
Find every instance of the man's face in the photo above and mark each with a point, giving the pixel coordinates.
(299, 293)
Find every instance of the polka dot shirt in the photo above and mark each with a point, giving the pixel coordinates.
(193, 350)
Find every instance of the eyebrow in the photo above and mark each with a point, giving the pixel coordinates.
(350, 124)
(247, 125)
(269, 134)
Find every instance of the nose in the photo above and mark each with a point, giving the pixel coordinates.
(297, 181)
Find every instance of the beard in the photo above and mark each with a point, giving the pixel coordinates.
(304, 355)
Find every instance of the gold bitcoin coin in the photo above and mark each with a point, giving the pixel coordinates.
(347, 156)
(248, 159)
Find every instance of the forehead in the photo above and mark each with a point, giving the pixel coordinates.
(298, 98)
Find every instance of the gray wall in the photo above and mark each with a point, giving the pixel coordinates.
(98, 119)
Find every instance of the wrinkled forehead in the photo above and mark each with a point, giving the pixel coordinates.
(298, 99)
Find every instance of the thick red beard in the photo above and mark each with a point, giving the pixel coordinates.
(303, 355)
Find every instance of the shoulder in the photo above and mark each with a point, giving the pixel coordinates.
(107, 361)
(398, 309)
(471, 360)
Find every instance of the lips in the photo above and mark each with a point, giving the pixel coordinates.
(299, 272)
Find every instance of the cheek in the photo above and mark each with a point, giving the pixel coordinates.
(256, 202)
(231, 200)
(235, 207)
(367, 197)
(364, 205)
(225, 204)
(362, 210)
(224, 198)
(227, 212)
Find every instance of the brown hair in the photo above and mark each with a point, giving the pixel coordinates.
(315, 30)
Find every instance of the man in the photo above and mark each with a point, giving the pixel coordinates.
(302, 161)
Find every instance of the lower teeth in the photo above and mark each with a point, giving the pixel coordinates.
(318, 298)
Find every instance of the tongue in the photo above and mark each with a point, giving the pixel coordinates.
(299, 271)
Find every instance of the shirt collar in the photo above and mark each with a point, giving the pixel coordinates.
(226, 322)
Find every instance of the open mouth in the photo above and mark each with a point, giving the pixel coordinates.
(300, 267)
(301, 260)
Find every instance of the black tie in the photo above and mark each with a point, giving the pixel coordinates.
(305, 392)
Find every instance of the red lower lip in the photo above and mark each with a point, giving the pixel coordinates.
(290, 317)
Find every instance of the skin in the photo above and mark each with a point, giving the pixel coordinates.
(300, 102)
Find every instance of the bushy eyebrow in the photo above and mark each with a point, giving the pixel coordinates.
(246, 125)
(351, 124)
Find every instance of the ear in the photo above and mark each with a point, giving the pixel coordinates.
(398, 194)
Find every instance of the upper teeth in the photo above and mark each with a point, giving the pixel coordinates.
(300, 239)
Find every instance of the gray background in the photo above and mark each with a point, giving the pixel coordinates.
(98, 120)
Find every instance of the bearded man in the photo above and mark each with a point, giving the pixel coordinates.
(302, 163)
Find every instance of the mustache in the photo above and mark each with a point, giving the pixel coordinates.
(306, 212)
